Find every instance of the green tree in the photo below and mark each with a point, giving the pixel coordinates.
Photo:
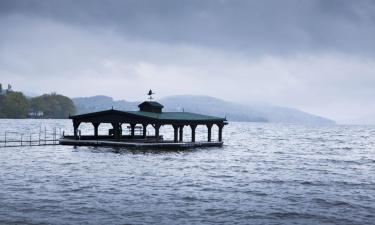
(14, 105)
(53, 105)
(2, 97)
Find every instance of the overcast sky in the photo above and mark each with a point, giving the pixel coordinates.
(317, 56)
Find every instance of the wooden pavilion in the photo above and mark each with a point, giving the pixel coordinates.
(149, 113)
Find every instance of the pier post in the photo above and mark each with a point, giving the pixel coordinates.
(96, 129)
(75, 129)
(144, 130)
(193, 127)
(209, 126)
(175, 129)
(116, 131)
(181, 133)
(132, 128)
(157, 127)
(220, 126)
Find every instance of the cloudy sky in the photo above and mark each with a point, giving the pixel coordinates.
(318, 56)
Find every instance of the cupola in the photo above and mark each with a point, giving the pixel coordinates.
(150, 106)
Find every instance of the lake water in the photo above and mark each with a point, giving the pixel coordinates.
(265, 174)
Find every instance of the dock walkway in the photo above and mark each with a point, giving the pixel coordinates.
(163, 145)
(21, 139)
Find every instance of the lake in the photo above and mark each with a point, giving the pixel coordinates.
(264, 174)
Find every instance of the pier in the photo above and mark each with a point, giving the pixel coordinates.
(150, 113)
(21, 139)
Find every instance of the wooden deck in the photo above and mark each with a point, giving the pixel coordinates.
(137, 144)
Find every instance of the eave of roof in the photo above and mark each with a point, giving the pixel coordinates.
(164, 116)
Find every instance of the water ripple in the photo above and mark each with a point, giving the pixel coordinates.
(264, 174)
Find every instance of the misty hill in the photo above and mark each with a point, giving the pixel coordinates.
(210, 106)
(239, 112)
(101, 102)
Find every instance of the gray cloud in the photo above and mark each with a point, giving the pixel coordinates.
(253, 27)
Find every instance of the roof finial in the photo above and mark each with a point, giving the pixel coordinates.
(150, 93)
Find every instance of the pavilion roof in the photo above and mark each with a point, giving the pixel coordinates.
(148, 116)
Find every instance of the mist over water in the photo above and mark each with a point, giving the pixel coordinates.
(264, 174)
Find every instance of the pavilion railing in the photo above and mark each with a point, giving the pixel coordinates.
(18, 139)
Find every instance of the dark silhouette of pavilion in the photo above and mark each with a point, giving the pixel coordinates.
(149, 113)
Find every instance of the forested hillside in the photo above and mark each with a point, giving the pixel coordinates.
(16, 105)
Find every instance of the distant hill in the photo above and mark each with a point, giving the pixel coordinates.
(239, 112)
(101, 102)
(210, 106)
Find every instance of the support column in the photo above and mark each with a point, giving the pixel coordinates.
(175, 129)
(157, 127)
(132, 128)
(220, 126)
(96, 126)
(193, 127)
(144, 130)
(181, 133)
(75, 129)
(209, 126)
(116, 131)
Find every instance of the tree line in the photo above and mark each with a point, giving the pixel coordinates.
(16, 105)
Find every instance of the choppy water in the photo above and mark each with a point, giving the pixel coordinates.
(265, 174)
